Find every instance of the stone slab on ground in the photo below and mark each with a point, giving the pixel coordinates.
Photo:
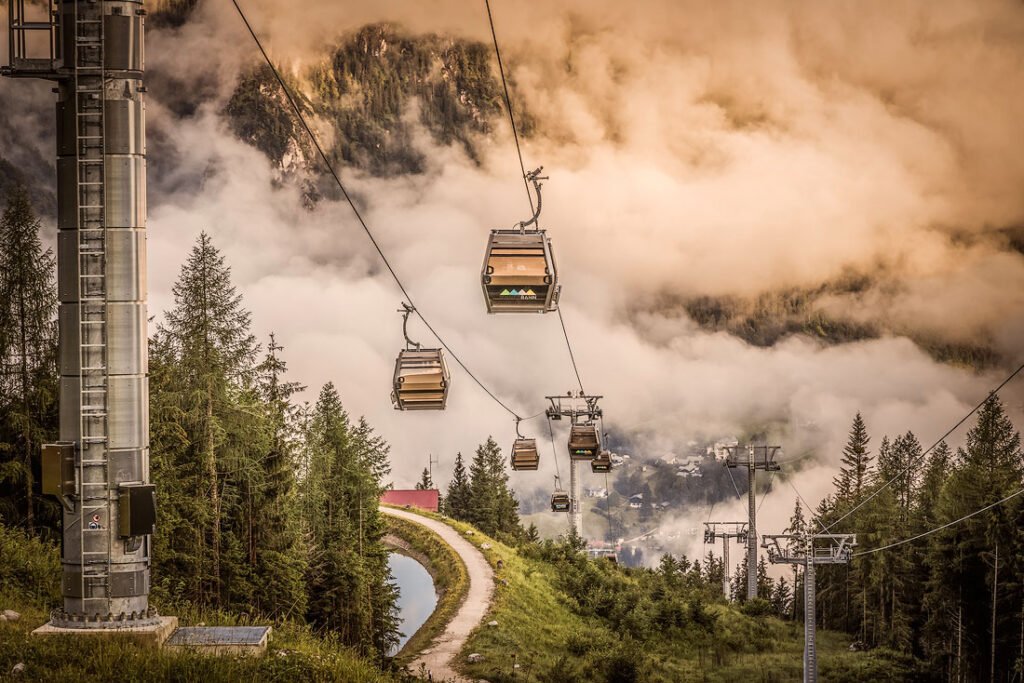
(221, 640)
(148, 636)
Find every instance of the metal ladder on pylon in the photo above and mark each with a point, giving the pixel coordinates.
(810, 632)
(94, 499)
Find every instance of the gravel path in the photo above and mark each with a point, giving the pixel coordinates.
(439, 658)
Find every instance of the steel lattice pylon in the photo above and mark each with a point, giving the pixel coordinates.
(808, 551)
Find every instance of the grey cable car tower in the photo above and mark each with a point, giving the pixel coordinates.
(93, 51)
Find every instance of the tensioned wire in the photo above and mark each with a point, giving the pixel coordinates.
(359, 217)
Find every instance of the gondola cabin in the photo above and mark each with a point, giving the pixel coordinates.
(421, 380)
(519, 274)
(524, 454)
(602, 463)
(560, 502)
(584, 442)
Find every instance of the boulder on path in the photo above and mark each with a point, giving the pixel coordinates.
(474, 658)
(18, 669)
(11, 615)
(492, 624)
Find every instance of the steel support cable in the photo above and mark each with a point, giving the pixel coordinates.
(734, 487)
(554, 452)
(771, 478)
(572, 356)
(810, 510)
(558, 472)
(508, 105)
(942, 438)
(359, 217)
(940, 528)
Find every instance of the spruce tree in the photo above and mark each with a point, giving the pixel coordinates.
(210, 355)
(425, 483)
(493, 508)
(855, 470)
(277, 553)
(28, 358)
(797, 527)
(349, 582)
(457, 500)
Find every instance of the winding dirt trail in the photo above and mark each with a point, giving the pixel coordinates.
(439, 658)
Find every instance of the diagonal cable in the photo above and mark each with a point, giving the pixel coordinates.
(337, 179)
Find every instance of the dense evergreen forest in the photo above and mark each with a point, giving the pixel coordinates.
(266, 507)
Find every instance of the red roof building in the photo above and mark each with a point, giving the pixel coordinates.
(424, 500)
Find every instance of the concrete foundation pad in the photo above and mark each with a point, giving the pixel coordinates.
(221, 640)
(147, 636)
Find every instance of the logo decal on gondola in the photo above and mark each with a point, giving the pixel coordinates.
(521, 293)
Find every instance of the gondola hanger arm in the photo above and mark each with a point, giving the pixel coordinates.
(406, 310)
(534, 177)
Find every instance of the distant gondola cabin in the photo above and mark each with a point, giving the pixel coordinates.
(602, 463)
(524, 454)
(560, 502)
(584, 442)
(421, 380)
(519, 274)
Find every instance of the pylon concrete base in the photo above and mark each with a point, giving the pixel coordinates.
(147, 636)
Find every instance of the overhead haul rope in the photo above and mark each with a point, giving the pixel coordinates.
(337, 179)
(522, 170)
(940, 528)
(508, 104)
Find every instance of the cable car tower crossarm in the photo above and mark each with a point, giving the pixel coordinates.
(757, 458)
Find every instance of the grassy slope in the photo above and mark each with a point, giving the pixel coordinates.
(29, 584)
(295, 654)
(538, 630)
(450, 579)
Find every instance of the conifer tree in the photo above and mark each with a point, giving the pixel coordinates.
(493, 508)
(210, 354)
(797, 527)
(28, 358)
(349, 582)
(425, 483)
(457, 499)
(782, 599)
(963, 576)
(277, 553)
(854, 473)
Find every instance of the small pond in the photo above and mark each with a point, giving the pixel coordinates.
(417, 599)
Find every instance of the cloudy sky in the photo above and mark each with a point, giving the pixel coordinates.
(693, 148)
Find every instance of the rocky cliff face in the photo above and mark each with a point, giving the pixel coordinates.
(371, 91)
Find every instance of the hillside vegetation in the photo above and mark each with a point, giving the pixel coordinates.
(30, 585)
(562, 617)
